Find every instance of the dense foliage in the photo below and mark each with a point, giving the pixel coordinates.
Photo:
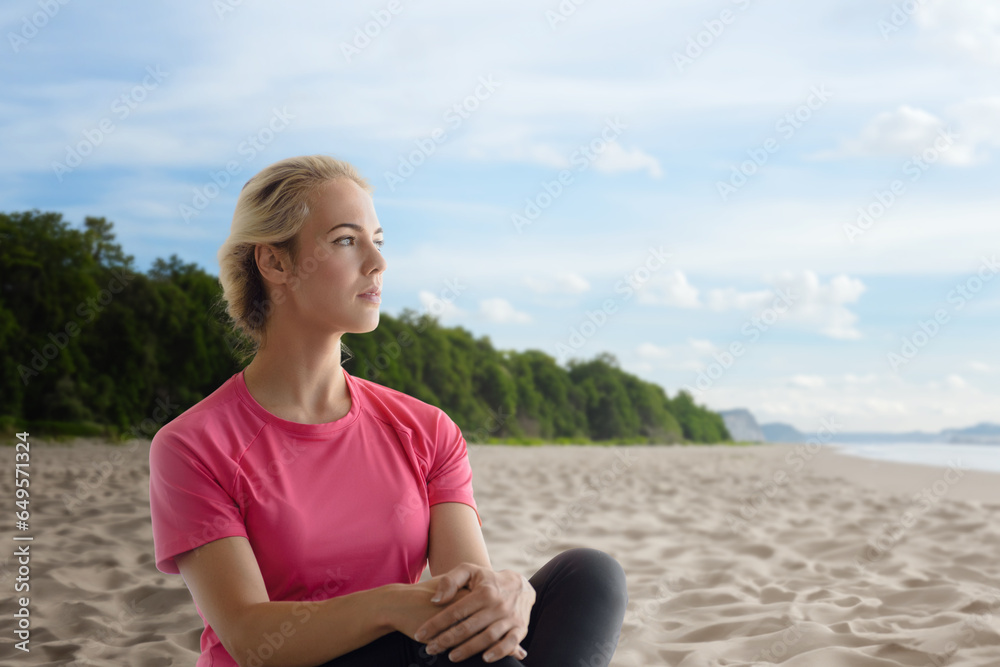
(90, 345)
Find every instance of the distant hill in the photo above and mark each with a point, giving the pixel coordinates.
(778, 432)
(854, 437)
(982, 433)
(742, 425)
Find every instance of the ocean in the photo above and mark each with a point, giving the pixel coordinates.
(973, 457)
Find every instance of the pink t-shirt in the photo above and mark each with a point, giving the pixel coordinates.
(329, 509)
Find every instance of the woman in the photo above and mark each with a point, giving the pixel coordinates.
(301, 504)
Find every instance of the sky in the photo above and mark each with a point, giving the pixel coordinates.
(785, 207)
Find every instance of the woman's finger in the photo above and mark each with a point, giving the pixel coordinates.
(508, 645)
(450, 582)
(486, 639)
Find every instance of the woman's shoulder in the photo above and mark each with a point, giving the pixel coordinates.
(206, 420)
(397, 407)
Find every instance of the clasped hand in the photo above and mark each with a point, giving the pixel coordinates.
(492, 617)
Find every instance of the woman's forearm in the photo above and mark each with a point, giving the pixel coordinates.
(305, 634)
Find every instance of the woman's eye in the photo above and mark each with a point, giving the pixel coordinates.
(378, 243)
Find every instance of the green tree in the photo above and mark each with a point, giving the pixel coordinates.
(87, 339)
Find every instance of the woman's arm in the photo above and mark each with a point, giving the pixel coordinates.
(455, 537)
(226, 584)
(496, 619)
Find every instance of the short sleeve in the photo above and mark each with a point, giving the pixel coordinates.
(188, 503)
(450, 476)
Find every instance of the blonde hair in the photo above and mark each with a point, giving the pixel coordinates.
(271, 210)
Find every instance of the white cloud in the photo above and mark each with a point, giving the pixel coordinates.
(543, 154)
(442, 308)
(980, 367)
(615, 158)
(822, 307)
(669, 289)
(816, 306)
(885, 406)
(807, 381)
(906, 132)
(730, 298)
(702, 346)
(501, 311)
(955, 381)
(690, 356)
(565, 282)
(963, 135)
(652, 351)
(971, 27)
(978, 121)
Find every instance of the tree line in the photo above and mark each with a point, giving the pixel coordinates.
(91, 346)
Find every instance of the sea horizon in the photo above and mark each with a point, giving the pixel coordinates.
(983, 457)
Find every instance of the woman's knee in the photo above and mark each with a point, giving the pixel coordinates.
(598, 567)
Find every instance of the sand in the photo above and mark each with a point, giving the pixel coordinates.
(735, 556)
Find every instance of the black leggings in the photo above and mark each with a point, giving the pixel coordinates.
(580, 601)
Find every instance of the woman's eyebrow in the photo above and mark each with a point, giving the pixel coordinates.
(352, 226)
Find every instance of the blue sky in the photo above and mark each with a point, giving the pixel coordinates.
(578, 177)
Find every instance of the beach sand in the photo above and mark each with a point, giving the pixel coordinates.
(735, 556)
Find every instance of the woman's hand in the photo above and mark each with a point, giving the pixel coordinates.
(492, 617)
(411, 605)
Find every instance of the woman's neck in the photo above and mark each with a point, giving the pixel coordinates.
(301, 385)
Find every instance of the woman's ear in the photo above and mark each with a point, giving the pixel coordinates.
(272, 267)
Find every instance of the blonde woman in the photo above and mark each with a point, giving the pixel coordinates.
(301, 504)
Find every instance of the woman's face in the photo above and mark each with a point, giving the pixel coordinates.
(339, 259)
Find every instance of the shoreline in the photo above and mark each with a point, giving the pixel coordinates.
(896, 477)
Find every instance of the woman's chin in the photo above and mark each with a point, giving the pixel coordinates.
(368, 324)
